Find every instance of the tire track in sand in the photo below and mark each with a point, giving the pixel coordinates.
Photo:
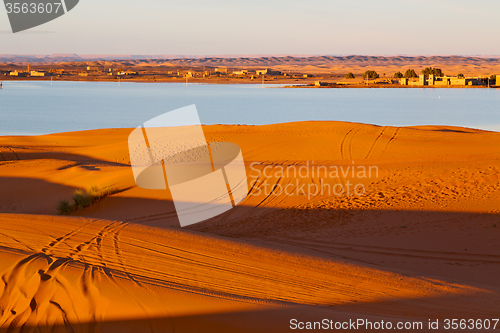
(63, 239)
(342, 144)
(346, 144)
(13, 152)
(375, 142)
(384, 135)
(390, 140)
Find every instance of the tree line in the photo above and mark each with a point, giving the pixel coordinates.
(410, 73)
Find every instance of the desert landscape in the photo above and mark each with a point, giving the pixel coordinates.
(249, 166)
(283, 69)
(419, 243)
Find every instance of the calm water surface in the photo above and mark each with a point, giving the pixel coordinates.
(28, 107)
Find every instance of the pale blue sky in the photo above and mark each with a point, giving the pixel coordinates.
(214, 27)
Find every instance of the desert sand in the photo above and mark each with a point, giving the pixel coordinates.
(421, 242)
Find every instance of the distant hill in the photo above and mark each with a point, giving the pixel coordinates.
(62, 57)
(452, 65)
(251, 59)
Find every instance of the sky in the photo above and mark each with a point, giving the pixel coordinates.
(246, 27)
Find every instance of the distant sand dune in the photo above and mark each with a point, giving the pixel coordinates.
(451, 65)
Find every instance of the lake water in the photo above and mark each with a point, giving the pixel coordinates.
(29, 107)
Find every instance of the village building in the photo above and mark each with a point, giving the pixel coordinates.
(267, 71)
(432, 80)
(222, 70)
(127, 72)
(38, 73)
(17, 73)
(241, 72)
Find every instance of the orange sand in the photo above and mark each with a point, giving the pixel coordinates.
(421, 243)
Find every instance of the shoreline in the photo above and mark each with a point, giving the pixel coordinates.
(252, 82)
(395, 86)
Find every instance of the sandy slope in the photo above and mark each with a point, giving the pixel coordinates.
(71, 271)
(421, 243)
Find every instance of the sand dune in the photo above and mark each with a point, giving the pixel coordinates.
(356, 63)
(340, 65)
(421, 243)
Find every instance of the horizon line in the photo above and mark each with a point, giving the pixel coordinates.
(198, 56)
